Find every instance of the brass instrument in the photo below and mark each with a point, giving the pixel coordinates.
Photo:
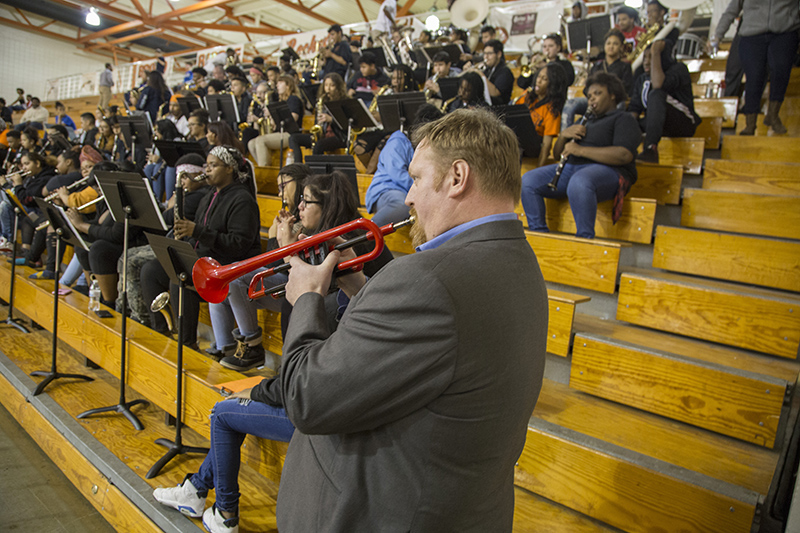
(79, 208)
(316, 129)
(354, 133)
(160, 304)
(429, 92)
(211, 279)
(447, 103)
(391, 59)
(53, 195)
(114, 149)
(405, 46)
(373, 106)
(644, 41)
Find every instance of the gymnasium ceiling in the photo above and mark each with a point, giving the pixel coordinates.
(133, 29)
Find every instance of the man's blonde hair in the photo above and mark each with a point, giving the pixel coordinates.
(481, 139)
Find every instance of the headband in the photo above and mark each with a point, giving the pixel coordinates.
(90, 154)
(189, 169)
(225, 155)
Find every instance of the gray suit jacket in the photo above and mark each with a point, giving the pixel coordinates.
(410, 416)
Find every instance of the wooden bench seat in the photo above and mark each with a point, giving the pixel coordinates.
(766, 149)
(684, 151)
(731, 392)
(726, 107)
(760, 261)
(757, 177)
(706, 64)
(710, 129)
(752, 214)
(754, 319)
(638, 471)
(569, 260)
(267, 179)
(659, 182)
(635, 224)
(534, 514)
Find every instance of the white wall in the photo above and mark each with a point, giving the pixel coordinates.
(29, 60)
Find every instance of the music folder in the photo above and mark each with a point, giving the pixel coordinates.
(121, 189)
(310, 93)
(518, 118)
(351, 109)
(60, 221)
(171, 151)
(223, 107)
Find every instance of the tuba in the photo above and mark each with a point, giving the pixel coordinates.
(468, 13)
(659, 31)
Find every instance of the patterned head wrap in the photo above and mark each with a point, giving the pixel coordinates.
(231, 157)
(90, 154)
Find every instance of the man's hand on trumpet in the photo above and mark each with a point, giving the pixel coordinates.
(304, 277)
(183, 228)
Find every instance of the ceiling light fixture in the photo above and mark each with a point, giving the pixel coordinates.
(92, 18)
(432, 23)
(636, 4)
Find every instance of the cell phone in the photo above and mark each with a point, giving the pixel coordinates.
(102, 313)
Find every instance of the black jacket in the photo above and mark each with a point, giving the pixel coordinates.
(32, 187)
(227, 225)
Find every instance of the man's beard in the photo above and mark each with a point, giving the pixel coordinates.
(418, 237)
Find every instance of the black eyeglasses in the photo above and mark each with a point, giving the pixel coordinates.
(306, 202)
(284, 183)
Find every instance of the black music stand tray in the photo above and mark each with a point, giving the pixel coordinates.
(189, 104)
(380, 56)
(325, 164)
(223, 107)
(136, 131)
(130, 199)
(518, 118)
(177, 258)
(309, 93)
(10, 320)
(584, 33)
(448, 87)
(351, 113)
(65, 232)
(398, 110)
(171, 151)
(282, 115)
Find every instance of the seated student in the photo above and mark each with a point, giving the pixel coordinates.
(226, 228)
(545, 102)
(176, 116)
(35, 116)
(153, 95)
(499, 78)
(366, 83)
(627, 24)
(29, 140)
(551, 47)
(442, 68)
(220, 134)
(63, 118)
(88, 131)
(328, 201)
(663, 95)
(262, 145)
(613, 63)
(215, 86)
(601, 166)
(386, 193)
(5, 112)
(109, 144)
(198, 128)
(331, 137)
(157, 170)
(471, 93)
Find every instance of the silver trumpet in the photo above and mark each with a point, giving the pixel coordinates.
(160, 304)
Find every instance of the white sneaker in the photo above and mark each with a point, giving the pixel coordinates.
(185, 498)
(5, 245)
(214, 522)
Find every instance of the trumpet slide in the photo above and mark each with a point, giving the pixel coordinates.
(211, 279)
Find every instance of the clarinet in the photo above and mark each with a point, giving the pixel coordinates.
(563, 161)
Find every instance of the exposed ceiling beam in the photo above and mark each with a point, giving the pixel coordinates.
(139, 8)
(119, 28)
(226, 27)
(204, 4)
(363, 13)
(306, 11)
(403, 11)
(127, 38)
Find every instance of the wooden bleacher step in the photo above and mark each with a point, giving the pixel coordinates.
(743, 317)
(753, 214)
(760, 177)
(635, 224)
(637, 471)
(766, 149)
(534, 514)
(711, 107)
(712, 113)
(731, 392)
(771, 263)
(686, 152)
(659, 182)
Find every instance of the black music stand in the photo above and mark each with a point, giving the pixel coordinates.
(282, 115)
(189, 104)
(310, 92)
(448, 87)
(398, 110)
(171, 151)
(130, 199)
(582, 34)
(177, 258)
(351, 113)
(10, 320)
(136, 130)
(65, 233)
(223, 107)
(380, 56)
(325, 164)
(518, 118)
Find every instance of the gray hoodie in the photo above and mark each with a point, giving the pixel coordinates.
(760, 16)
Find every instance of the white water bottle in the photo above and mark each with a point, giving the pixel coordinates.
(94, 295)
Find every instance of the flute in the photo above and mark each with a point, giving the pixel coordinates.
(563, 161)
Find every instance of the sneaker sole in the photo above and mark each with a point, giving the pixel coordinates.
(188, 511)
(243, 368)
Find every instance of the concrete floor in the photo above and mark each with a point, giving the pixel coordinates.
(34, 494)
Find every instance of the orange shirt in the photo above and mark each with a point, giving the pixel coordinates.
(543, 119)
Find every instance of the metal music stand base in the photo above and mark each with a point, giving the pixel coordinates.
(53, 373)
(175, 449)
(17, 323)
(10, 320)
(121, 408)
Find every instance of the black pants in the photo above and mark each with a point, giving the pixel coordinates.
(664, 120)
(733, 69)
(103, 257)
(768, 52)
(155, 281)
(38, 246)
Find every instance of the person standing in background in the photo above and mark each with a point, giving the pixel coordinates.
(106, 83)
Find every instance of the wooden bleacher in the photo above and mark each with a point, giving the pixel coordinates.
(766, 149)
(761, 177)
(686, 152)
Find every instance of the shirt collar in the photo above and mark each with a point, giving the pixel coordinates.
(452, 232)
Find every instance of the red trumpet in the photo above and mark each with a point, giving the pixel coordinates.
(212, 279)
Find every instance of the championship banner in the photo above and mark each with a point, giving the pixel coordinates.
(525, 20)
(305, 44)
(206, 58)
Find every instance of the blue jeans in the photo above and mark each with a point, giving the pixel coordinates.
(163, 182)
(231, 421)
(584, 185)
(390, 207)
(6, 219)
(573, 106)
(237, 310)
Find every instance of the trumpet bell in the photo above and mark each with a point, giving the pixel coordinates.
(159, 302)
(210, 287)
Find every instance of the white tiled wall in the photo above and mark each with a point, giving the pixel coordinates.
(28, 60)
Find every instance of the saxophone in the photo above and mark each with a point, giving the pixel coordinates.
(373, 106)
(316, 129)
(644, 41)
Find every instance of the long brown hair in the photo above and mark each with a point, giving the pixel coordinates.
(339, 91)
(291, 82)
(225, 135)
(338, 199)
